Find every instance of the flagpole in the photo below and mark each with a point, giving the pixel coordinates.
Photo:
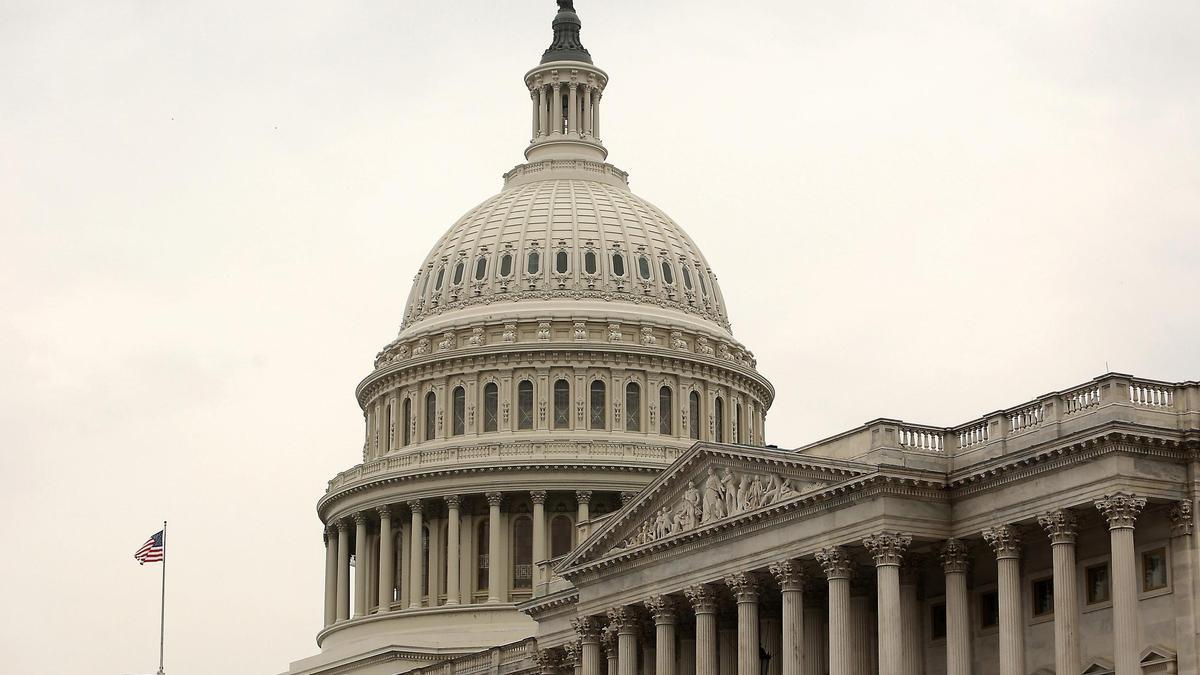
(162, 610)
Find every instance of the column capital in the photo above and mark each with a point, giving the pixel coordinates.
(624, 619)
(1059, 525)
(627, 497)
(789, 573)
(836, 563)
(345, 525)
(662, 608)
(584, 496)
(453, 501)
(494, 498)
(385, 511)
(745, 586)
(538, 496)
(608, 640)
(588, 628)
(956, 557)
(547, 660)
(415, 506)
(703, 598)
(1121, 509)
(571, 654)
(360, 518)
(1181, 518)
(887, 548)
(1005, 541)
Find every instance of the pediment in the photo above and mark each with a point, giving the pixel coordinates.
(1099, 667)
(1155, 655)
(708, 487)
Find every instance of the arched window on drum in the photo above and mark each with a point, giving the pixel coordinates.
(562, 404)
(459, 404)
(430, 416)
(719, 420)
(666, 411)
(597, 407)
(491, 407)
(694, 415)
(525, 405)
(522, 538)
(633, 407)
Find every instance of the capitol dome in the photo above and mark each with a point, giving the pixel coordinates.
(563, 343)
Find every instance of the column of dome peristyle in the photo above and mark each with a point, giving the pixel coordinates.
(570, 130)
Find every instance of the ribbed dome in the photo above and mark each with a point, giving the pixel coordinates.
(553, 244)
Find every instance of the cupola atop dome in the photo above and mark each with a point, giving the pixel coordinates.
(566, 45)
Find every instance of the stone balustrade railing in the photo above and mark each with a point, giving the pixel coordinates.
(1113, 396)
(514, 657)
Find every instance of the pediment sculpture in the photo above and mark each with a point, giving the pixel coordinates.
(719, 495)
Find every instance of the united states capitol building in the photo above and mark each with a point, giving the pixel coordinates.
(565, 472)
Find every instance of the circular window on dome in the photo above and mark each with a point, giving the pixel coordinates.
(687, 276)
(533, 262)
(561, 262)
(618, 265)
(644, 267)
(668, 275)
(506, 265)
(458, 273)
(480, 269)
(589, 262)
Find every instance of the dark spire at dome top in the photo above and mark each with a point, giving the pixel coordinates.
(566, 45)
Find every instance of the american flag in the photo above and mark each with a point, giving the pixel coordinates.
(151, 551)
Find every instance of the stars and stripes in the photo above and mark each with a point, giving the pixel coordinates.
(152, 550)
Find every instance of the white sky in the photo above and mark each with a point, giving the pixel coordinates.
(212, 212)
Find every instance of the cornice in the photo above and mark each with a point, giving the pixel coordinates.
(539, 606)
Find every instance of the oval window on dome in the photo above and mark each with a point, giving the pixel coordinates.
(458, 272)
(703, 286)
(687, 277)
(668, 276)
(425, 285)
(506, 265)
(441, 276)
(644, 267)
(533, 262)
(560, 262)
(618, 265)
(589, 262)
(480, 269)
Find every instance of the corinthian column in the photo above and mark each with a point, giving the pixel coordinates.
(588, 628)
(548, 661)
(704, 601)
(343, 572)
(360, 564)
(1185, 599)
(1006, 542)
(608, 638)
(745, 588)
(1060, 527)
(1121, 510)
(662, 608)
(539, 533)
(331, 561)
(453, 521)
(958, 618)
(791, 584)
(624, 619)
(493, 500)
(416, 562)
(556, 107)
(387, 560)
(838, 566)
(583, 499)
(887, 548)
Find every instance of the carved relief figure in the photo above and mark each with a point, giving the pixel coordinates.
(422, 347)
(713, 504)
(648, 339)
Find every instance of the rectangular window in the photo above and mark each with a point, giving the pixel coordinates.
(937, 621)
(989, 609)
(1043, 597)
(1095, 578)
(1154, 569)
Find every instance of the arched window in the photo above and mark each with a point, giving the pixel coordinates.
(460, 412)
(480, 269)
(390, 429)
(644, 267)
(522, 572)
(491, 405)
(618, 265)
(668, 275)
(425, 560)
(406, 432)
(738, 422)
(562, 404)
(589, 262)
(694, 415)
(525, 405)
(533, 262)
(719, 424)
(430, 416)
(441, 276)
(687, 276)
(506, 265)
(633, 407)
(598, 407)
(561, 530)
(666, 411)
(703, 286)
(481, 556)
(561, 262)
(458, 273)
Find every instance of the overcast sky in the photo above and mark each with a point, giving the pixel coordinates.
(212, 212)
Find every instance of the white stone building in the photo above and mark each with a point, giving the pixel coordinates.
(564, 471)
